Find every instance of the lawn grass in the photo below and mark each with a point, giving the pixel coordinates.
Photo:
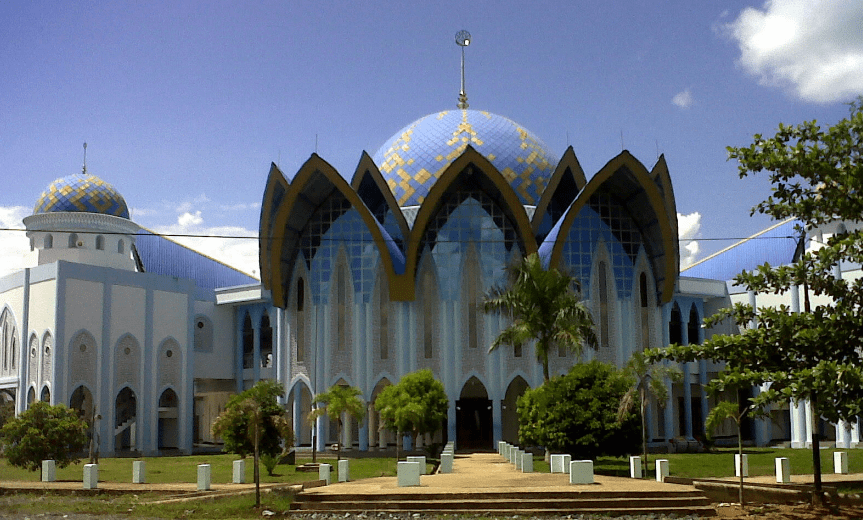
(720, 462)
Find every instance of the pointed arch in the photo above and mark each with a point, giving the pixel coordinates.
(563, 186)
(470, 166)
(372, 188)
(662, 178)
(628, 180)
(266, 341)
(290, 206)
(693, 326)
(248, 341)
(675, 325)
(427, 319)
(127, 361)
(509, 408)
(341, 304)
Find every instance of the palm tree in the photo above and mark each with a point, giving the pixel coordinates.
(338, 400)
(544, 306)
(728, 410)
(650, 381)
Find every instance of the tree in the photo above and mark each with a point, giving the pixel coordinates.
(817, 177)
(253, 422)
(577, 413)
(416, 404)
(44, 432)
(339, 400)
(545, 307)
(735, 411)
(650, 381)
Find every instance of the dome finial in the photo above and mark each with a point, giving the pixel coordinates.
(462, 39)
(84, 168)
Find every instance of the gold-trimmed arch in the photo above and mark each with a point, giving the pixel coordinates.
(274, 191)
(510, 203)
(367, 166)
(569, 162)
(313, 183)
(662, 178)
(623, 164)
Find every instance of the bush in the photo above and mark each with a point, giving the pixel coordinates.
(44, 432)
(577, 414)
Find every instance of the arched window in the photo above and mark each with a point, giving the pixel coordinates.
(73, 240)
(248, 342)
(121, 247)
(100, 242)
(301, 320)
(604, 322)
(645, 308)
(471, 282)
(266, 341)
(675, 326)
(203, 334)
(383, 318)
(694, 327)
(342, 309)
(49, 241)
(429, 317)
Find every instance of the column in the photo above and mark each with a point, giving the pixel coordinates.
(372, 426)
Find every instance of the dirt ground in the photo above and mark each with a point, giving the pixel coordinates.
(791, 512)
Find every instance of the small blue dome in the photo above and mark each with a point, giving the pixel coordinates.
(82, 193)
(415, 157)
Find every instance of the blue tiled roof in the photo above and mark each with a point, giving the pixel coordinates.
(415, 157)
(82, 192)
(775, 245)
(162, 256)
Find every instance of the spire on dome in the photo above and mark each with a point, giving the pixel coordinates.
(84, 168)
(462, 39)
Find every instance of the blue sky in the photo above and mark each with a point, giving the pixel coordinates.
(184, 105)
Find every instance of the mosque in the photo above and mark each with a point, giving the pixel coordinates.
(362, 281)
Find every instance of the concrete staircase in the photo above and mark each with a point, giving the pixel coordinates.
(611, 503)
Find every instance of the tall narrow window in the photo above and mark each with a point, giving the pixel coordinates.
(383, 322)
(603, 306)
(471, 303)
(248, 342)
(692, 332)
(428, 314)
(266, 343)
(49, 241)
(675, 326)
(301, 321)
(73, 240)
(100, 242)
(341, 308)
(121, 247)
(645, 325)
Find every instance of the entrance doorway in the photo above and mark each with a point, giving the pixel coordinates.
(473, 417)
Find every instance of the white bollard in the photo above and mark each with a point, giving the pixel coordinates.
(661, 470)
(139, 472)
(204, 477)
(446, 460)
(560, 463)
(783, 470)
(325, 473)
(840, 463)
(344, 470)
(634, 467)
(239, 472)
(421, 460)
(408, 474)
(581, 472)
(527, 462)
(49, 471)
(500, 445)
(91, 476)
(741, 467)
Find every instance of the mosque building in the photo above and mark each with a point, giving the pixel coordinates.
(362, 281)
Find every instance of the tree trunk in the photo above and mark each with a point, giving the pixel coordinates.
(739, 469)
(644, 431)
(817, 496)
(257, 470)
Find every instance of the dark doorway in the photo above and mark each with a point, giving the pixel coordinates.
(473, 417)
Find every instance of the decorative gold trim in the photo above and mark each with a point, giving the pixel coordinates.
(367, 166)
(569, 160)
(655, 199)
(274, 178)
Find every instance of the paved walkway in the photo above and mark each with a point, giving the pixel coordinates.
(489, 472)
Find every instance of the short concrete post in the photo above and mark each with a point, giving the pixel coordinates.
(635, 467)
(421, 460)
(527, 462)
(324, 473)
(91, 476)
(560, 463)
(204, 474)
(519, 459)
(500, 445)
(783, 470)
(741, 467)
(840, 463)
(139, 472)
(446, 460)
(661, 470)
(49, 471)
(408, 474)
(344, 470)
(581, 472)
(238, 475)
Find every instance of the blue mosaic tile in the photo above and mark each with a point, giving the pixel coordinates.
(84, 193)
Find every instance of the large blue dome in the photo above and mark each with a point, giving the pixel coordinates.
(84, 193)
(415, 157)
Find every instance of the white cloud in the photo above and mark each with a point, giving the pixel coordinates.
(683, 99)
(814, 48)
(14, 245)
(688, 227)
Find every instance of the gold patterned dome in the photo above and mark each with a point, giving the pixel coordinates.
(415, 157)
(84, 193)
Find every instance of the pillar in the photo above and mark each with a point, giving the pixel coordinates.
(372, 426)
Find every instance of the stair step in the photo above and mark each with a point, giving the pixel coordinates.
(699, 510)
(496, 496)
(511, 503)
